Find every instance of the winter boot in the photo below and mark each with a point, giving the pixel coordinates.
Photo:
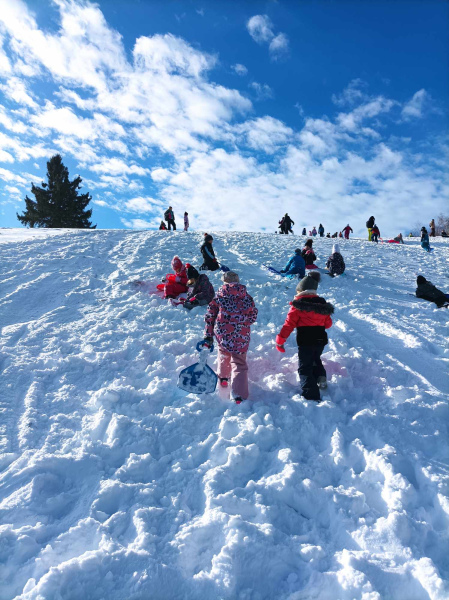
(223, 381)
(238, 400)
(322, 382)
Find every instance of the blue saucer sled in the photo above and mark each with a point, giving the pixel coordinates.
(199, 378)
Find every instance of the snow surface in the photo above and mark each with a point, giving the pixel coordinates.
(115, 484)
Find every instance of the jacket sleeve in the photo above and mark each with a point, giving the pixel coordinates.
(210, 318)
(291, 322)
(287, 266)
(209, 253)
(328, 322)
(201, 291)
(252, 317)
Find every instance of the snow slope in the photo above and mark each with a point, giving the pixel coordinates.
(115, 484)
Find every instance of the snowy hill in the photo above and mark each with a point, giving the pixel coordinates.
(116, 485)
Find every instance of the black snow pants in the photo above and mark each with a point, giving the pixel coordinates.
(171, 222)
(310, 368)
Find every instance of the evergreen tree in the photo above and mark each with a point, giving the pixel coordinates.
(58, 202)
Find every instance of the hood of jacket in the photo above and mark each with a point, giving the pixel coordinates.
(237, 290)
(313, 303)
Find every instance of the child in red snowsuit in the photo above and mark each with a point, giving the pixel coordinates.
(176, 283)
(346, 231)
(311, 316)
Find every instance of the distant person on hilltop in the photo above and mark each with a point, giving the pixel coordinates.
(310, 315)
(444, 234)
(186, 221)
(288, 224)
(428, 291)
(399, 239)
(163, 226)
(432, 228)
(347, 230)
(210, 262)
(169, 216)
(304, 231)
(328, 234)
(314, 233)
(370, 225)
(321, 230)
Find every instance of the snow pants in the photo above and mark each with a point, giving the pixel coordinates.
(171, 222)
(172, 290)
(374, 237)
(232, 365)
(347, 235)
(310, 368)
(369, 233)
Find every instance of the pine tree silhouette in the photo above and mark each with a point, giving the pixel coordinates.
(57, 203)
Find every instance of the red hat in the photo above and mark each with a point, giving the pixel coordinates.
(176, 263)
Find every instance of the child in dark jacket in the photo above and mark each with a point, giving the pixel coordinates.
(375, 233)
(202, 291)
(210, 262)
(335, 262)
(229, 317)
(428, 291)
(311, 316)
(296, 265)
(425, 243)
(309, 255)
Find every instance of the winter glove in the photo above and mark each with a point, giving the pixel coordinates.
(163, 280)
(208, 341)
(280, 344)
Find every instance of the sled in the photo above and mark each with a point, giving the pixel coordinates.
(224, 268)
(279, 273)
(199, 378)
(311, 267)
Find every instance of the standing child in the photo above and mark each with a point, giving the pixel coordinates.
(335, 262)
(375, 233)
(230, 316)
(369, 226)
(311, 316)
(186, 221)
(347, 230)
(210, 262)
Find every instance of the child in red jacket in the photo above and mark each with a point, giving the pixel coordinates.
(311, 316)
(176, 283)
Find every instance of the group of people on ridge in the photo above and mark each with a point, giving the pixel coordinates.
(169, 216)
(285, 225)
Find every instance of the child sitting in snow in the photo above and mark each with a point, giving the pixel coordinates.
(335, 262)
(311, 316)
(230, 316)
(296, 265)
(163, 226)
(428, 291)
(210, 262)
(309, 255)
(175, 284)
(202, 291)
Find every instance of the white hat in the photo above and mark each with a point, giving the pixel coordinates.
(336, 248)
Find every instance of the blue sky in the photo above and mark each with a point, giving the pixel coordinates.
(236, 112)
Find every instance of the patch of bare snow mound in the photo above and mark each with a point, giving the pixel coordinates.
(116, 484)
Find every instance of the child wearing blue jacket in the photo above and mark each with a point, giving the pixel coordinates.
(296, 265)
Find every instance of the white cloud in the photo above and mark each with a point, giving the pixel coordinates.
(260, 28)
(117, 166)
(137, 223)
(353, 93)
(16, 90)
(414, 107)
(160, 174)
(143, 205)
(263, 90)
(279, 46)
(240, 69)
(265, 133)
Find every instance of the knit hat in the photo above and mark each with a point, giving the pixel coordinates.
(420, 279)
(309, 243)
(298, 251)
(230, 277)
(336, 248)
(192, 273)
(309, 282)
(208, 237)
(176, 263)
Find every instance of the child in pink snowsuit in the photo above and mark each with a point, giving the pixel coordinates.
(176, 283)
(230, 316)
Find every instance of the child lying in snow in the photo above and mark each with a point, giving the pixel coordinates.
(335, 262)
(175, 284)
(230, 316)
(428, 291)
(296, 265)
(202, 291)
(311, 316)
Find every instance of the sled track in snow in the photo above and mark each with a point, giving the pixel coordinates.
(116, 484)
